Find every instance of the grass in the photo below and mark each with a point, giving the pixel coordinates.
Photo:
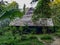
(12, 38)
(9, 39)
(31, 42)
(47, 38)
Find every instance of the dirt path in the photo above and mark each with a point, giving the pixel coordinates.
(56, 42)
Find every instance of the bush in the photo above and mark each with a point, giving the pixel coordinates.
(24, 37)
(46, 37)
(33, 37)
(57, 34)
(9, 39)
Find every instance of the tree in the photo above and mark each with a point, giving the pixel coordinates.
(56, 14)
(11, 11)
(43, 8)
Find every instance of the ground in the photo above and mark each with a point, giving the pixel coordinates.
(56, 42)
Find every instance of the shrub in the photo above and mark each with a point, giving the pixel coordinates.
(33, 37)
(57, 34)
(46, 37)
(24, 37)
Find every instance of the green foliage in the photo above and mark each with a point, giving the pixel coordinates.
(10, 38)
(11, 11)
(33, 31)
(33, 37)
(21, 30)
(2, 8)
(23, 38)
(31, 42)
(12, 5)
(46, 37)
(57, 33)
(42, 10)
(51, 29)
(56, 14)
(43, 7)
(12, 14)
